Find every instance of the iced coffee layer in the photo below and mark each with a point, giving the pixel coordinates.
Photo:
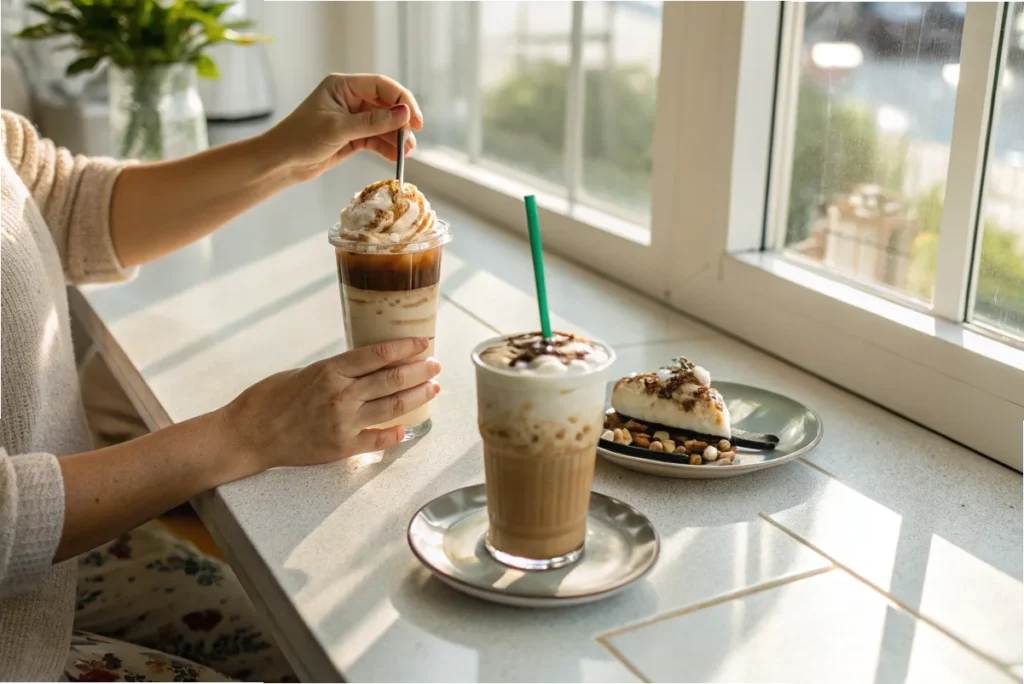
(533, 354)
(537, 504)
(373, 316)
(389, 272)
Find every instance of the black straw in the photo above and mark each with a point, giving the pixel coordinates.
(401, 157)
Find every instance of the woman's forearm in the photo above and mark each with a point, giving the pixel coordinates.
(114, 490)
(160, 207)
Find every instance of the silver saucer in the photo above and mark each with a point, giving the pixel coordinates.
(448, 535)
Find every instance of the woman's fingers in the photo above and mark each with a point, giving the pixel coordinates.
(396, 405)
(394, 379)
(365, 360)
(381, 89)
(374, 439)
(385, 145)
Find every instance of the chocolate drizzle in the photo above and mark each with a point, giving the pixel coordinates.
(530, 346)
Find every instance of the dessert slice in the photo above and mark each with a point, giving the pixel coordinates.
(679, 396)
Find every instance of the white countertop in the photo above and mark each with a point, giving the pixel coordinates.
(888, 555)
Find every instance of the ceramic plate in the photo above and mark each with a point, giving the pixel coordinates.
(753, 409)
(447, 535)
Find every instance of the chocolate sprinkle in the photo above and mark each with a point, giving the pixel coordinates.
(530, 346)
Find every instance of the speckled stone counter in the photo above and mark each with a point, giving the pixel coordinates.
(889, 554)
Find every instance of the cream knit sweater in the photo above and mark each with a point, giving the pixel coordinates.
(55, 214)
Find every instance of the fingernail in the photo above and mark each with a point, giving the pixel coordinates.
(434, 365)
(398, 111)
(435, 389)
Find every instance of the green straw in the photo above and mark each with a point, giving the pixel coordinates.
(538, 265)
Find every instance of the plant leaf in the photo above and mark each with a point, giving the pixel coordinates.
(206, 68)
(37, 32)
(82, 64)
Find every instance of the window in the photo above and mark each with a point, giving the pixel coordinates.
(882, 132)
(559, 94)
(999, 292)
(873, 115)
(839, 184)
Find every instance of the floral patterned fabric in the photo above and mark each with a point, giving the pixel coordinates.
(98, 659)
(151, 607)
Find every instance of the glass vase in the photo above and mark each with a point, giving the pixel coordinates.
(155, 112)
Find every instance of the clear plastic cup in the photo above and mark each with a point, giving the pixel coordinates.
(389, 292)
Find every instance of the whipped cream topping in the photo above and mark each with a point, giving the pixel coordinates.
(530, 353)
(387, 213)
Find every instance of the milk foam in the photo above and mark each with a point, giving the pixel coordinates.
(531, 354)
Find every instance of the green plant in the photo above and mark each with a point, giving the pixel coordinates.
(139, 34)
(142, 38)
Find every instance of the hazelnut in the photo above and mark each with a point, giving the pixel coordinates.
(695, 459)
(641, 441)
(710, 454)
(657, 446)
(608, 436)
(661, 435)
(669, 445)
(680, 449)
(724, 445)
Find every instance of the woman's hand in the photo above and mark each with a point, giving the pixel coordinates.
(314, 415)
(346, 113)
(322, 412)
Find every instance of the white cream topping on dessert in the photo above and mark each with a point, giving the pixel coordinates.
(679, 395)
(530, 353)
(387, 213)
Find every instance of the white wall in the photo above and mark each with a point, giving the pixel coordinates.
(313, 39)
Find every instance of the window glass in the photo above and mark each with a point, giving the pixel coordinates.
(874, 120)
(999, 292)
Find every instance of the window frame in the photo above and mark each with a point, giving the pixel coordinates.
(705, 252)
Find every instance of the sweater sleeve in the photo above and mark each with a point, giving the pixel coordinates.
(31, 519)
(74, 195)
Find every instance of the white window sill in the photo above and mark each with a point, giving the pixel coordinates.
(948, 377)
(999, 357)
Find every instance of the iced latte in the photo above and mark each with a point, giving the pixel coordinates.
(388, 247)
(540, 410)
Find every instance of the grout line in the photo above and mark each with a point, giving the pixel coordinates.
(724, 598)
(817, 467)
(623, 659)
(469, 313)
(892, 599)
